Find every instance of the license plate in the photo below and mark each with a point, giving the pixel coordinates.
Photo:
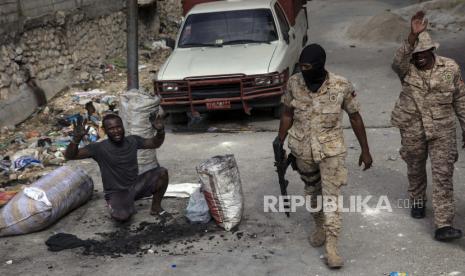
(218, 105)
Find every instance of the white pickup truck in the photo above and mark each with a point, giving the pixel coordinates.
(233, 54)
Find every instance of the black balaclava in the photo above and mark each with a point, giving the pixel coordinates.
(315, 55)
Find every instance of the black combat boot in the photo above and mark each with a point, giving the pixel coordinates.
(418, 211)
(447, 233)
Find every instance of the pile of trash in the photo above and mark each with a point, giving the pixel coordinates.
(25, 152)
(36, 147)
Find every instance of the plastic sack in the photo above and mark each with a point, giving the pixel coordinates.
(135, 109)
(197, 210)
(65, 189)
(221, 185)
(6, 196)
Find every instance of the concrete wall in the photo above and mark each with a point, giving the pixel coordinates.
(52, 43)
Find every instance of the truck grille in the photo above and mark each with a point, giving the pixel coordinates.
(214, 91)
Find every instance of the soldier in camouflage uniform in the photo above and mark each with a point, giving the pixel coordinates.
(312, 118)
(432, 92)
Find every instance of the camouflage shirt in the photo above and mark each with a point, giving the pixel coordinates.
(429, 99)
(316, 132)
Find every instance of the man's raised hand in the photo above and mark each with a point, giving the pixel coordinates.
(157, 120)
(79, 129)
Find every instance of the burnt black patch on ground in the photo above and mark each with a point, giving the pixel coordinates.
(135, 241)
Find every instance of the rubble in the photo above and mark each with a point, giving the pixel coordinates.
(386, 27)
(393, 26)
(448, 15)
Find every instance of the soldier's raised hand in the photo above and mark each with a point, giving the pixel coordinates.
(418, 23)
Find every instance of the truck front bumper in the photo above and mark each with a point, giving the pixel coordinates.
(221, 93)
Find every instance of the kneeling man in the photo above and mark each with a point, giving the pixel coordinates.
(117, 159)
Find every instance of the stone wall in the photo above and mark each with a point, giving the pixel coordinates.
(47, 44)
(19, 15)
(170, 16)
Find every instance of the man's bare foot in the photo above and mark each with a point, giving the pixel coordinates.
(156, 211)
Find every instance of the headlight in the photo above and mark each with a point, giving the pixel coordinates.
(260, 81)
(170, 87)
(280, 78)
(277, 80)
(270, 79)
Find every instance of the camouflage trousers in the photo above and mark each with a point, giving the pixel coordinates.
(324, 179)
(443, 154)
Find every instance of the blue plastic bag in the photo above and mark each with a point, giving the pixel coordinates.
(26, 161)
(197, 210)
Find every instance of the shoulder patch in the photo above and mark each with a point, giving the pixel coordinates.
(448, 76)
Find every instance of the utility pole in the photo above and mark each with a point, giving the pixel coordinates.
(132, 44)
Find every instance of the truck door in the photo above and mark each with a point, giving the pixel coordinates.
(289, 35)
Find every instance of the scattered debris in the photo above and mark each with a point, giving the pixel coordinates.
(160, 44)
(133, 241)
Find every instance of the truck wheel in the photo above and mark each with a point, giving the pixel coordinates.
(277, 110)
(178, 118)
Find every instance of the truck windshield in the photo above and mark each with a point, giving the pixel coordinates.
(226, 28)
